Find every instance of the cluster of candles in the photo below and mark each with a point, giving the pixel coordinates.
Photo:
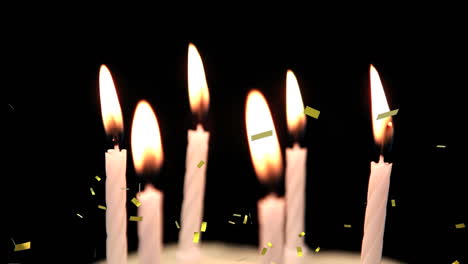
(281, 219)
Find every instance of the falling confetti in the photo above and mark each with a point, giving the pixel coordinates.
(123, 188)
(203, 226)
(11, 107)
(441, 146)
(317, 249)
(387, 114)
(270, 244)
(264, 251)
(23, 246)
(200, 164)
(459, 226)
(347, 226)
(245, 219)
(136, 218)
(393, 203)
(299, 251)
(238, 215)
(302, 234)
(92, 191)
(312, 112)
(196, 237)
(101, 207)
(136, 202)
(98, 178)
(177, 225)
(79, 215)
(231, 222)
(262, 135)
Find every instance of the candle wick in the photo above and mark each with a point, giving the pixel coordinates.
(115, 139)
(381, 159)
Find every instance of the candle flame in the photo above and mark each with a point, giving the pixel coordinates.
(294, 105)
(382, 128)
(110, 106)
(147, 149)
(265, 152)
(198, 88)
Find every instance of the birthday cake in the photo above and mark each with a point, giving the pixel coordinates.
(219, 253)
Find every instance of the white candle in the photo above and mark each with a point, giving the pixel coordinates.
(296, 158)
(116, 164)
(197, 151)
(379, 181)
(150, 228)
(271, 224)
(148, 156)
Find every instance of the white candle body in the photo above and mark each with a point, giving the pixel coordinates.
(296, 159)
(271, 210)
(376, 209)
(116, 213)
(194, 191)
(150, 228)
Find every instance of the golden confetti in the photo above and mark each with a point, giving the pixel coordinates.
(245, 219)
(92, 191)
(200, 163)
(441, 146)
(270, 244)
(136, 218)
(264, 251)
(136, 202)
(393, 203)
(312, 112)
(299, 251)
(231, 222)
(79, 215)
(196, 237)
(203, 226)
(262, 135)
(177, 224)
(238, 215)
(98, 178)
(387, 114)
(456, 262)
(317, 249)
(347, 226)
(302, 234)
(23, 246)
(101, 207)
(459, 226)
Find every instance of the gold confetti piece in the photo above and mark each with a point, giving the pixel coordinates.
(302, 234)
(393, 203)
(245, 219)
(231, 222)
(200, 163)
(79, 215)
(270, 244)
(136, 202)
(387, 114)
(317, 249)
(92, 191)
(136, 218)
(101, 207)
(203, 226)
(459, 226)
(312, 112)
(177, 224)
(262, 135)
(23, 246)
(196, 237)
(299, 251)
(456, 262)
(98, 178)
(347, 226)
(237, 215)
(264, 251)
(441, 146)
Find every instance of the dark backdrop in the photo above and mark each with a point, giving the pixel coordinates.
(55, 140)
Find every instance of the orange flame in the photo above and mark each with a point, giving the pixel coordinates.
(382, 128)
(110, 106)
(146, 144)
(294, 105)
(197, 86)
(265, 152)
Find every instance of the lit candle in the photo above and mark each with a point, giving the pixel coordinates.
(148, 156)
(296, 158)
(379, 181)
(116, 164)
(197, 151)
(266, 158)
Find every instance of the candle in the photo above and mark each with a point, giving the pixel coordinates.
(116, 163)
(266, 158)
(296, 158)
(148, 155)
(379, 181)
(197, 150)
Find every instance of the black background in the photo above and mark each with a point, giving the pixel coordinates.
(55, 140)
